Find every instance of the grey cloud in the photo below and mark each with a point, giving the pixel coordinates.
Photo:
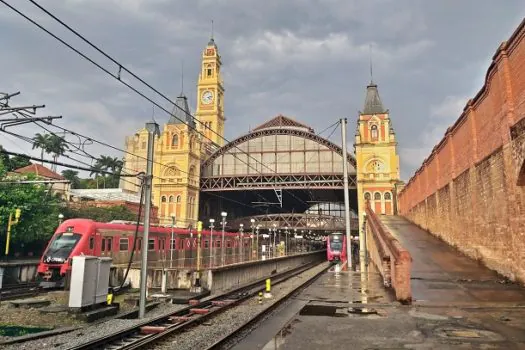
(305, 58)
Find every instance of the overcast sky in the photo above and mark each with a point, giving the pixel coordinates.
(307, 59)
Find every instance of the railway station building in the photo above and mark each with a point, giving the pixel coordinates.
(280, 175)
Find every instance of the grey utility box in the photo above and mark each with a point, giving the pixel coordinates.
(89, 281)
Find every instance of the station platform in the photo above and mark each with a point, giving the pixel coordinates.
(458, 304)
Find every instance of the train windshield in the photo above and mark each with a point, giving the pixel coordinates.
(336, 242)
(61, 247)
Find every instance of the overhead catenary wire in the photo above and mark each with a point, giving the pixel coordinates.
(118, 78)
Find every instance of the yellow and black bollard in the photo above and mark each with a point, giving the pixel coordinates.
(267, 291)
(260, 297)
(109, 298)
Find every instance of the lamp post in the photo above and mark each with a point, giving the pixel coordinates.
(252, 237)
(286, 240)
(212, 222)
(241, 241)
(295, 236)
(274, 235)
(223, 223)
(60, 218)
(172, 241)
(257, 242)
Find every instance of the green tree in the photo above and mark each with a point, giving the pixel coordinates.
(39, 218)
(43, 142)
(119, 212)
(72, 176)
(12, 163)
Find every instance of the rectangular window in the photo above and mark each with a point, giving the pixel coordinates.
(173, 244)
(110, 244)
(218, 243)
(123, 244)
(206, 243)
(103, 245)
(228, 244)
(151, 244)
(91, 243)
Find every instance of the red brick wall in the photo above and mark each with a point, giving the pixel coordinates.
(469, 190)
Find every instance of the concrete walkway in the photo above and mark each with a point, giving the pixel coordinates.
(459, 305)
(441, 274)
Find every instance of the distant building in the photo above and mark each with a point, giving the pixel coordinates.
(110, 197)
(56, 182)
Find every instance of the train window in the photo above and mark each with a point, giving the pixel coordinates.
(123, 244)
(110, 244)
(162, 243)
(103, 245)
(228, 244)
(173, 245)
(91, 242)
(151, 244)
(246, 243)
(218, 243)
(206, 243)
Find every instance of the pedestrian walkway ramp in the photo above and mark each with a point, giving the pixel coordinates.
(440, 273)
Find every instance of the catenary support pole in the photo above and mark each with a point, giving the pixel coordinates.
(347, 199)
(153, 129)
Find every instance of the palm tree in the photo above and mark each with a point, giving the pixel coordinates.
(43, 142)
(110, 164)
(58, 146)
(72, 176)
(95, 170)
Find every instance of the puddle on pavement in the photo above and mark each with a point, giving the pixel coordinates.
(321, 310)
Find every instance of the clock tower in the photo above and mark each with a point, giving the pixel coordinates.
(210, 97)
(376, 156)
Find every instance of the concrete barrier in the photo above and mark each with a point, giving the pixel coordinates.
(391, 259)
(232, 276)
(217, 279)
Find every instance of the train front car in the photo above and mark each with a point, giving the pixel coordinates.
(70, 239)
(335, 247)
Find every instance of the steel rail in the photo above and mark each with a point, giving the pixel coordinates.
(230, 337)
(149, 331)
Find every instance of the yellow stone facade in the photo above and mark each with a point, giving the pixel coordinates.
(180, 147)
(376, 157)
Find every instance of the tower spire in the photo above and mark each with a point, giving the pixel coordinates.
(212, 29)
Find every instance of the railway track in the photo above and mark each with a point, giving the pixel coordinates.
(145, 334)
(19, 290)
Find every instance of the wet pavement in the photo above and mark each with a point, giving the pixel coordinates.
(440, 273)
(459, 305)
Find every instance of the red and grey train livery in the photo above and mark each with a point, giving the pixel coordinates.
(336, 247)
(76, 237)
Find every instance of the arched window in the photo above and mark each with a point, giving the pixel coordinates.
(377, 196)
(367, 196)
(171, 199)
(191, 142)
(192, 172)
(175, 141)
(163, 199)
(388, 196)
(178, 199)
(374, 133)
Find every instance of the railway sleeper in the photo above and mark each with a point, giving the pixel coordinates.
(152, 329)
(176, 319)
(199, 311)
(222, 302)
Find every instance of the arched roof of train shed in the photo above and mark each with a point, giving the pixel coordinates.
(284, 146)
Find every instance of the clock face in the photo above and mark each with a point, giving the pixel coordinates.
(376, 166)
(207, 97)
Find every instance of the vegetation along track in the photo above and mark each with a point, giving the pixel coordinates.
(145, 334)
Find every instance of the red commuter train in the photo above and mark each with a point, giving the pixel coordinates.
(76, 237)
(336, 247)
